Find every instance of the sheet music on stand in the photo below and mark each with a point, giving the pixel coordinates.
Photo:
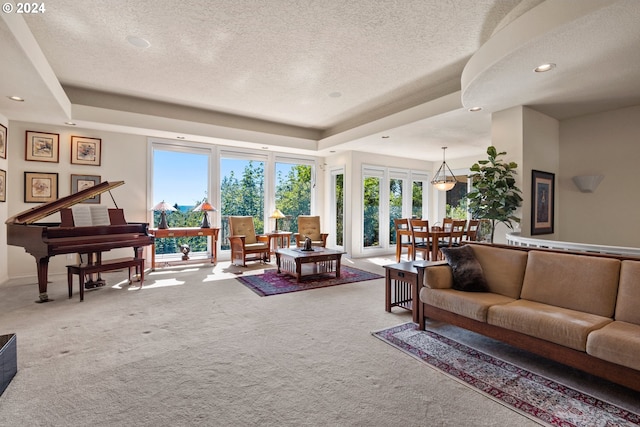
(88, 216)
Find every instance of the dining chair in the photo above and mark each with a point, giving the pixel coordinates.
(457, 231)
(420, 238)
(403, 238)
(471, 234)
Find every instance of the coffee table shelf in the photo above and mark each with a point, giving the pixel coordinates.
(322, 260)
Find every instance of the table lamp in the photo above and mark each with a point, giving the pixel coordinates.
(277, 214)
(163, 207)
(204, 207)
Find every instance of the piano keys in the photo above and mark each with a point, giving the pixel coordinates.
(44, 240)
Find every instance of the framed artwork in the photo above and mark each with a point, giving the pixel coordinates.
(3, 142)
(82, 182)
(42, 147)
(40, 187)
(3, 185)
(542, 196)
(85, 151)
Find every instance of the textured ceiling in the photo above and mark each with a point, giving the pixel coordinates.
(317, 76)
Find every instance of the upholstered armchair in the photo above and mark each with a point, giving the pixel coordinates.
(246, 245)
(310, 226)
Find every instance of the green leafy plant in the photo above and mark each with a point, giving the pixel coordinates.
(495, 196)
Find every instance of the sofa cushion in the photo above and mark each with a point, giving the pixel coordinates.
(503, 268)
(438, 276)
(629, 293)
(472, 305)
(576, 282)
(467, 271)
(617, 342)
(559, 325)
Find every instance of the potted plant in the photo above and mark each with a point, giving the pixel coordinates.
(495, 196)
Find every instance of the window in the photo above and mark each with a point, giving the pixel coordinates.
(372, 185)
(337, 206)
(396, 186)
(242, 192)
(293, 192)
(457, 199)
(181, 179)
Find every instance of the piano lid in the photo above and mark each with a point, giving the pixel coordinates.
(44, 210)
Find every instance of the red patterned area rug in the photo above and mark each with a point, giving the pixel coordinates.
(272, 283)
(532, 395)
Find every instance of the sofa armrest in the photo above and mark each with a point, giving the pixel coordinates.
(438, 277)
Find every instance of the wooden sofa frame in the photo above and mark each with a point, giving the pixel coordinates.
(576, 359)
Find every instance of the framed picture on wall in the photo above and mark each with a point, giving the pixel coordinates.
(82, 182)
(85, 151)
(42, 147)
(542, 197)
(40, 187)
(3, 185)
(3, 142)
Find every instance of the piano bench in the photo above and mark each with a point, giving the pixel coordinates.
(109, 265)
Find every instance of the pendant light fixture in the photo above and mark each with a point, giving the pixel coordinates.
(441, 181)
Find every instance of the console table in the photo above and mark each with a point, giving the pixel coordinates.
(163, 233)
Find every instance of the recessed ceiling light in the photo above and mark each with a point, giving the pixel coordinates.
(474, 109)
(265, 148)
(179, 137)
(385, 136)
(335, 94)
(543, 68)
(16, 98)
(70, 123)
(138, 41)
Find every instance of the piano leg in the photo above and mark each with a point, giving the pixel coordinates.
(43, 273)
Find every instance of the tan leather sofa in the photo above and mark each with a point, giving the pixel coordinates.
(576, 308)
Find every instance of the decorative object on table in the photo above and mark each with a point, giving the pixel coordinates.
(204, 207)
(3, 185)
(440, 180)
(40, 187)
(42, 147)
(537, 397)
(163, 207)
(86, 151)
(271, 283)
(542, 202)
(277, 214)
(82, 182)
(185, 249)
(307, 244)
(587, 183)
(495, 196)
(3, 142)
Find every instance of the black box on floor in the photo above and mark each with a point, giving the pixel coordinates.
(8, 360)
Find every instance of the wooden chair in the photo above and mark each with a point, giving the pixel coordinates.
(309, 226)
(420, 238)
(403, 238)
(472, 230)
(457, 231)
(447, 223)
(245, 242)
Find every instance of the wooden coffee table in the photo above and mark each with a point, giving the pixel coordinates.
(291, 261)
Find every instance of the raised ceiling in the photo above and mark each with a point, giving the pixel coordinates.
(318, 76)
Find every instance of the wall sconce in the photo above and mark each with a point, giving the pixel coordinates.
(163, 207)
(277, 214)
(204, 207)
(588, 183)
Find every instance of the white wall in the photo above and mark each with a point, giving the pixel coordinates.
(124, 158)
(609, 144)
(4, 165)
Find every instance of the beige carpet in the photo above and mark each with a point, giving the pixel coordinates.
(195, 347)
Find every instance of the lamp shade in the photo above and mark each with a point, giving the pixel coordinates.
(440, 180)
(277, 214)
(163, 207)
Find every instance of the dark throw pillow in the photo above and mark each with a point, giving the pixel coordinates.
(467, 271)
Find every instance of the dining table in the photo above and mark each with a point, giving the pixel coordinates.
(438, 235)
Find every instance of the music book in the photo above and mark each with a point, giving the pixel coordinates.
(88, 216)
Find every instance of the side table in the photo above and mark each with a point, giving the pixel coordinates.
(279, 240)
(160, 233)
(402, 285)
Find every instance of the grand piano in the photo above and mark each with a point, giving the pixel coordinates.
(44, 240)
